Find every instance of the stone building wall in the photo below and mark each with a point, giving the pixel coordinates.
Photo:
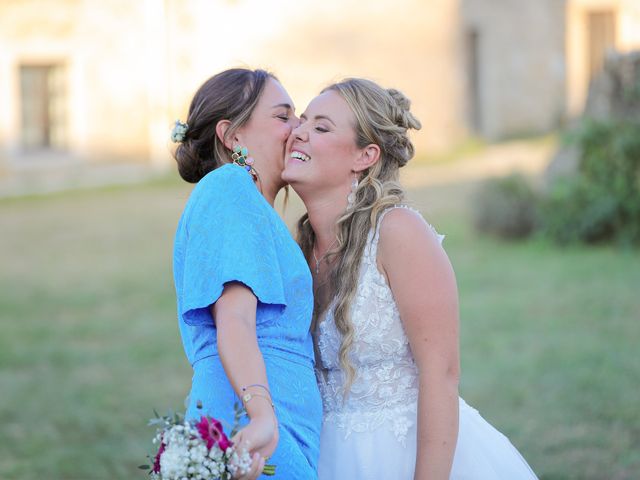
(130, 68)
(125, 70)
(408, 44)
(518, 87)
(101, 52)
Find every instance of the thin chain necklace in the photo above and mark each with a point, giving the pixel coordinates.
(313, 251)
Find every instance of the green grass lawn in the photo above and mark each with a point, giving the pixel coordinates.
(89, 343)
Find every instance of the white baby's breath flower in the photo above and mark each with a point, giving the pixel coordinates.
(239, 463)
(174, 462)
(215, 453)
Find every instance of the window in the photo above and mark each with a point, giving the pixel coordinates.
(43, 107)
(601, 38)
(474, 106)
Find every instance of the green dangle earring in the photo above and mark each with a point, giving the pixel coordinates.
(240, 156)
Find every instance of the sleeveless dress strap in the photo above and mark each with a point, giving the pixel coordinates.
(371, 251)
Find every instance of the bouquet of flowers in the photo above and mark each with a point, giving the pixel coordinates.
(197, 450)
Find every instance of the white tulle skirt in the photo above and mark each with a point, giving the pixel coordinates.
(482, 453)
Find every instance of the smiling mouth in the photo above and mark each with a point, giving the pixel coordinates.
(300, 156)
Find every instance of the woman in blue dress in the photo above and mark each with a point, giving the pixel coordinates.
(244, 291)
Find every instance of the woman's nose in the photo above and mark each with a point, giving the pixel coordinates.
(299, 132)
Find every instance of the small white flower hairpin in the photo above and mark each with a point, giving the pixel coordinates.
(179, 131)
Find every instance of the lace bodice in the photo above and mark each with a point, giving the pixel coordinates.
(385, 389)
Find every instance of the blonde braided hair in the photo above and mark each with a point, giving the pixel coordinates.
(382, 118)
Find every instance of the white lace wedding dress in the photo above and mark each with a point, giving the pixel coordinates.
(372, 435)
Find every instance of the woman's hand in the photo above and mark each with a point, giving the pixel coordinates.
(259, 438)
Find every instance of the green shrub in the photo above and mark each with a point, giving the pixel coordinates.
(602, 201)
(575, 210)
(506, 207)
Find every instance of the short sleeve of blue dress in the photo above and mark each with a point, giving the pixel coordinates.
(226, 237)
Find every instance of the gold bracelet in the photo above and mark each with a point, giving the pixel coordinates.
(244, 389)
(247, 397)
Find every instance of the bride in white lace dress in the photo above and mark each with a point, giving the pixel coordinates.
(386, 324)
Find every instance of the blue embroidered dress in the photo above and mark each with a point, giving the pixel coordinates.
(229, 232)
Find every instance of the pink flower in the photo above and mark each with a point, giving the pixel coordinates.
(211, 432)
(156, 461)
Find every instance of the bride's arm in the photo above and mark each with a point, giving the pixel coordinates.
(424, 287)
